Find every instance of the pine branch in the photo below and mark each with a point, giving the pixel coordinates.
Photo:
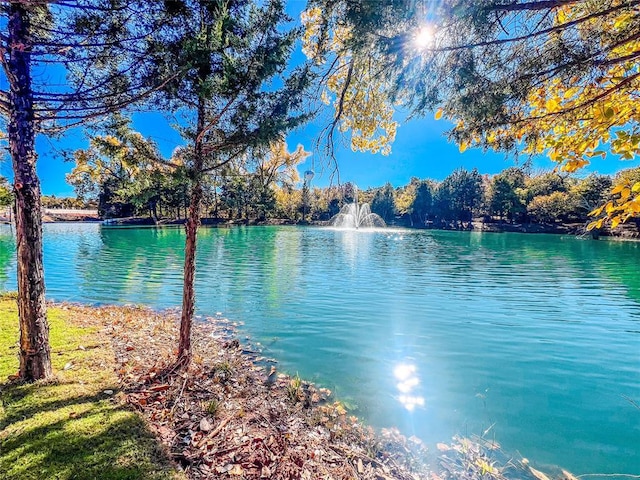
(531, 6)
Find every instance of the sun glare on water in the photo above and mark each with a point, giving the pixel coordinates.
(408, 382)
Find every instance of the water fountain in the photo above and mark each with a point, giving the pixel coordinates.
(355, 216)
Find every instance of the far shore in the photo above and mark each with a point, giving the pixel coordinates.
(629, 231)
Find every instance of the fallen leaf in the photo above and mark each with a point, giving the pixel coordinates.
(205, 425)
(538, 474)
(160, 388)
(108, 392)
(360, 466)
(568, 475)
(236, 470)
(68, 366)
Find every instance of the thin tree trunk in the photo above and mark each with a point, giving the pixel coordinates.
(191, 226)
(215, 197)
(35, 354)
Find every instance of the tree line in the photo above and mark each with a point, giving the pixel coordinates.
(267, 186)
(512, 196)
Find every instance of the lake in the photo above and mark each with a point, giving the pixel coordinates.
(534, 339)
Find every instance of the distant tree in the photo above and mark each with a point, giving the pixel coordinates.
(423, 202)
(504, 193)
(349, 192)
(366, 196)
(236, 194)
(319, 204)
(383, 202)
(543, 184)
(288, 203)
(553, 208)
(459, 195)
(51, 201)
(405, 197)
(591, 192)
(334, 201)
(276, 166)
(123, 170)
(6, 197)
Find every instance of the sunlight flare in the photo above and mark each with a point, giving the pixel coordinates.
(424, 37)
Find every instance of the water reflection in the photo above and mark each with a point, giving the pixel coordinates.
(139, 266)
(7, 252)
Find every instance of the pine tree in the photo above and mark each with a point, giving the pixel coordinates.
(236, 96)
(98, 42)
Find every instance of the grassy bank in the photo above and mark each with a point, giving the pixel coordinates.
(75, 427)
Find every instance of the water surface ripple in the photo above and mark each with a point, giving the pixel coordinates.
(537, 337)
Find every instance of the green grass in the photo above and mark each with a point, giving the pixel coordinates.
(70, 428)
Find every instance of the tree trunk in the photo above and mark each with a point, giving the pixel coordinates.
(191, 227)
(35, 354)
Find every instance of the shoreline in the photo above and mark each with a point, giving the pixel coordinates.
(234, 411)
(625, 232)
(234, 415)
(231, 417)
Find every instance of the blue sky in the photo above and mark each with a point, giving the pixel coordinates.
(420, 150)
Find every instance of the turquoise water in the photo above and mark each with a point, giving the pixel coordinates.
(536, 338)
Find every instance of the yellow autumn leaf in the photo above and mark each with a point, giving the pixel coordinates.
(617, 189)
(438, 114)
(615, 221)
(463, 146)
(596, 211)
(551, 105)
(340, 410)
(570, 92)
(609, 207)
